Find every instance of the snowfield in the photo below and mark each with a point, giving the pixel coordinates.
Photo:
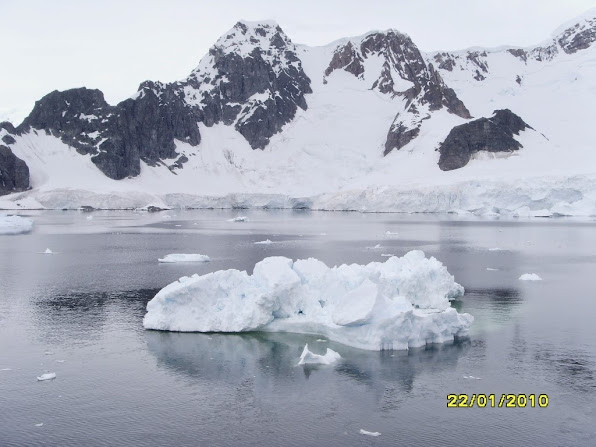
(15, 224)
(397, 304)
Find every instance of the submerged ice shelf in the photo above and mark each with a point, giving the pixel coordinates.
(396, 304)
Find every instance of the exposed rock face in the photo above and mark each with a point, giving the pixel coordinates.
(579, 36)
(405, 74)
(117, 137)
(253, 79)
(14, 173)
(493, 134)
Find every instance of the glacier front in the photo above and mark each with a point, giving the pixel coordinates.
(396, 304)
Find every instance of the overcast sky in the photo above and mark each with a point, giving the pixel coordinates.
(114, 45)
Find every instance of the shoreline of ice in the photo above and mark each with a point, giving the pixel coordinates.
(397, 304)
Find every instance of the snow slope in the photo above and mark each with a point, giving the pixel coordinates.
(330, 156)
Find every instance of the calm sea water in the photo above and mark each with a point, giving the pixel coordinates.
(79, 313)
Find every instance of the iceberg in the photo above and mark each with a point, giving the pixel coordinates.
(46, 376)
(183, 257)
(369, 433)
(309, 358)
(15, 224)
(530, 277)
(396, 304)
(265, 242)
(239, 219)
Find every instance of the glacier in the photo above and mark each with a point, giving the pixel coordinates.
(15, 224)
(401, 303)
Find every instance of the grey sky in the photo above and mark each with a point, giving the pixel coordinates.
(115, 45)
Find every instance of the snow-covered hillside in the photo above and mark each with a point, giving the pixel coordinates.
(358, 124)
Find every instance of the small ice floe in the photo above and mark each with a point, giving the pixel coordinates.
(239, 219)
(386, 255)
(177, 225)
(375, 247)
(321, 340)
(265, 242)
(491, 269)
(89, 217)
(472, 377)
(59, 361)
(46, 252)
(309, 358)
(369, 433)
(46, 376)
(48, 353)
(39, 425)
(6, 369)
(495, 249)
(391, 233)
(184, 257)
(530, 277)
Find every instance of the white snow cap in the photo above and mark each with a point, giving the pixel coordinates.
(15, 224)
(396, 304)
(309, 358)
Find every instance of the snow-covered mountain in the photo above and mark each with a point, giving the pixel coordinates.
(366, 123)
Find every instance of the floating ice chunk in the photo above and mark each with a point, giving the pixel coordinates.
(15, 224)
(265, 242)
(47, 252)
(47, 376)
(530, 277)
(369, 433)
(375, 247)
(59, 361)
(472, 377)
(321, 340)
(89, 217)
(386, 255)
(309, 358)
(492, 270)
(177, 225)
(239, 219)
(166, 216)
(39, 425)
(391, 233)
(183, 257)
(495, 249)
(48, 353)
(396, 304)
(6, 369)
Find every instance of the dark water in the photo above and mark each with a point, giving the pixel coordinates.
(121, 385)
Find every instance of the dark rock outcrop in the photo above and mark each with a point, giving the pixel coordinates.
(493, 134)
(578, 37)
(117, 137)
(257, 90)
(14, 173)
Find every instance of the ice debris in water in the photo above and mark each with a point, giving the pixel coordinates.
(391, 233)
(265, 242)
(491, 269)
(369, 433)
(48, 252)
(495, 249)
(15, 224)
(386, 255)
(47, 376)
(471, 377)
(396, 304)
(39, 425)
(6, 369)
(309, 358)
(238, 219)
(375, 247)
(183, 257)
(530, 277)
